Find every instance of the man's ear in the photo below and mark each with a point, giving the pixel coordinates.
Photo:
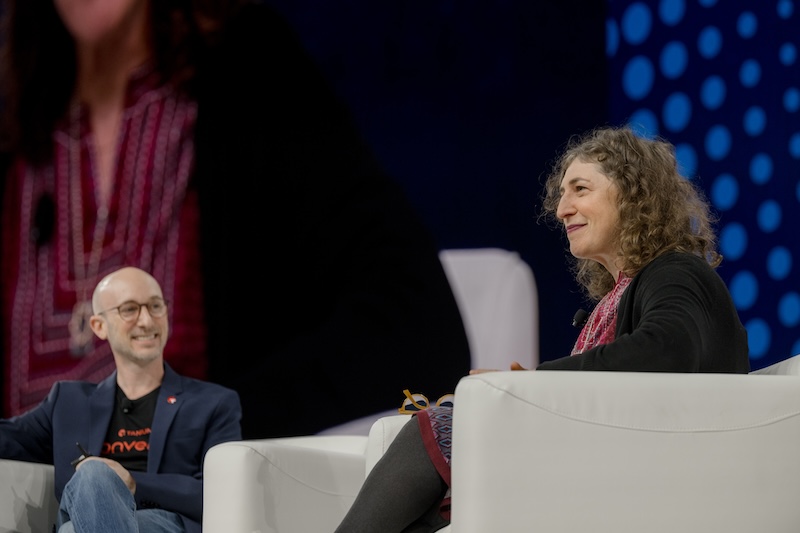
(99, 326)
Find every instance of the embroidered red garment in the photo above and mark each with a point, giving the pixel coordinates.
(151, 221)
(436, 427)
(600, 327)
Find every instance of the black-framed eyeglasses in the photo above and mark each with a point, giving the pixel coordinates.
(129, 311)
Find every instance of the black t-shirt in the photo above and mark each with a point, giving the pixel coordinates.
(128, 437)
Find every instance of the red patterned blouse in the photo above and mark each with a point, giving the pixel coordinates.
(150, 221)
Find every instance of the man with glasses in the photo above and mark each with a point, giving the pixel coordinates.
(127, 451)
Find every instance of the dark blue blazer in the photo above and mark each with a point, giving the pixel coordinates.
(191, 416)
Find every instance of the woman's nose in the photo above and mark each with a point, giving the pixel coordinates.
(564, 208)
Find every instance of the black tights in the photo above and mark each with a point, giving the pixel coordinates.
(402, 493)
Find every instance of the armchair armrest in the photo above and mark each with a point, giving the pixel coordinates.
(381, 435)
(624, 451)
(284, 485)
(27, 497)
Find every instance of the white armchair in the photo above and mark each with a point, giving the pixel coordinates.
(555, 451)
(27, 497)
(626, 452)
(293, 484)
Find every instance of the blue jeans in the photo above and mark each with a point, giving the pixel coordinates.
(96, 500)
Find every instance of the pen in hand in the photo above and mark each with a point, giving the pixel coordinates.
(84, 454)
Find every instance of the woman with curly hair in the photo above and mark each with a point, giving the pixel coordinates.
(643, 247)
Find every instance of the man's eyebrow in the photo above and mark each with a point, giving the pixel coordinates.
(148, 300)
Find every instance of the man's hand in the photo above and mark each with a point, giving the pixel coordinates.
(121, 471)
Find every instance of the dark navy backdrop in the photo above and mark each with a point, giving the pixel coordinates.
(467, 102)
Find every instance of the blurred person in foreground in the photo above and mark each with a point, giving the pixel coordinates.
(197, 140)
(644, 250)
(128, 452)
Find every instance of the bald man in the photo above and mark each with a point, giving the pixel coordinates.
(128, 451)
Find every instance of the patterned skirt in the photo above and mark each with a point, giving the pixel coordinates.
(436, 427)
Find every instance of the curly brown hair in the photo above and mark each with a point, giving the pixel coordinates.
(659, 210)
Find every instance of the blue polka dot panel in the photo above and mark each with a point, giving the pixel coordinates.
(720, 79)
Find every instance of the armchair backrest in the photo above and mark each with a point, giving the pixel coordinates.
(497, 295)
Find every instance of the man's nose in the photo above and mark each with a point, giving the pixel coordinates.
(144, 310)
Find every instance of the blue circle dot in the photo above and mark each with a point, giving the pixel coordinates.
(794, 145)
(687, 160)
(718, 142)
(712, 92)
(787, 54)
(612, 37)
(644, 123)
(769, 216)
(636, 22)
(677, 111)
(785, 8)
(744, 290)
(637, 78)
(754, 121)
(733, 241)
(789, 309)
(761, 168)
(709, 42)
(724, 191)
(671, 11)
(750, 73)
(779, 262)
(673, 60)
(758, 337)
(791, 99)
(747, 24)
